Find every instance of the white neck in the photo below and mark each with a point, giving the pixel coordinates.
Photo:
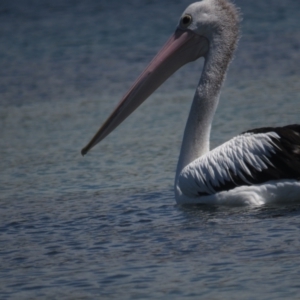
(197, 131)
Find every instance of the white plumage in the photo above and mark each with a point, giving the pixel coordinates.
(212, 170)
(270, 192)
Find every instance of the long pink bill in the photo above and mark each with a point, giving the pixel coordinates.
(181, 48)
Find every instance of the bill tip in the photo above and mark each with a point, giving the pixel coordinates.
(84, 151)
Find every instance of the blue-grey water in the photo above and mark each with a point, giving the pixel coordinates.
(106, 226)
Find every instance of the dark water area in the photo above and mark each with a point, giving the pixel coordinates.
(106, 226)
(53, 50)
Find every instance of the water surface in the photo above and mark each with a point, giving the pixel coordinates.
(106, 225)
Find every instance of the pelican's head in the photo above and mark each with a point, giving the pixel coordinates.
(210, 18)
(200, 23)
(216, 20)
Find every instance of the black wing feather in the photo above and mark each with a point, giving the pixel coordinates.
(286, 159)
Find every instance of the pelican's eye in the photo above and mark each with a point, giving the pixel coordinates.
(185, 21)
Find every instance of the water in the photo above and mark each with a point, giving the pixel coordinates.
(107, 226)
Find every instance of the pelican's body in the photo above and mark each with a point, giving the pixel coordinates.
(256, 167)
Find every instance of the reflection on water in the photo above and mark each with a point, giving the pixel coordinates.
(107, 224)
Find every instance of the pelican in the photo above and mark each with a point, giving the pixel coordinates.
(256, 167)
